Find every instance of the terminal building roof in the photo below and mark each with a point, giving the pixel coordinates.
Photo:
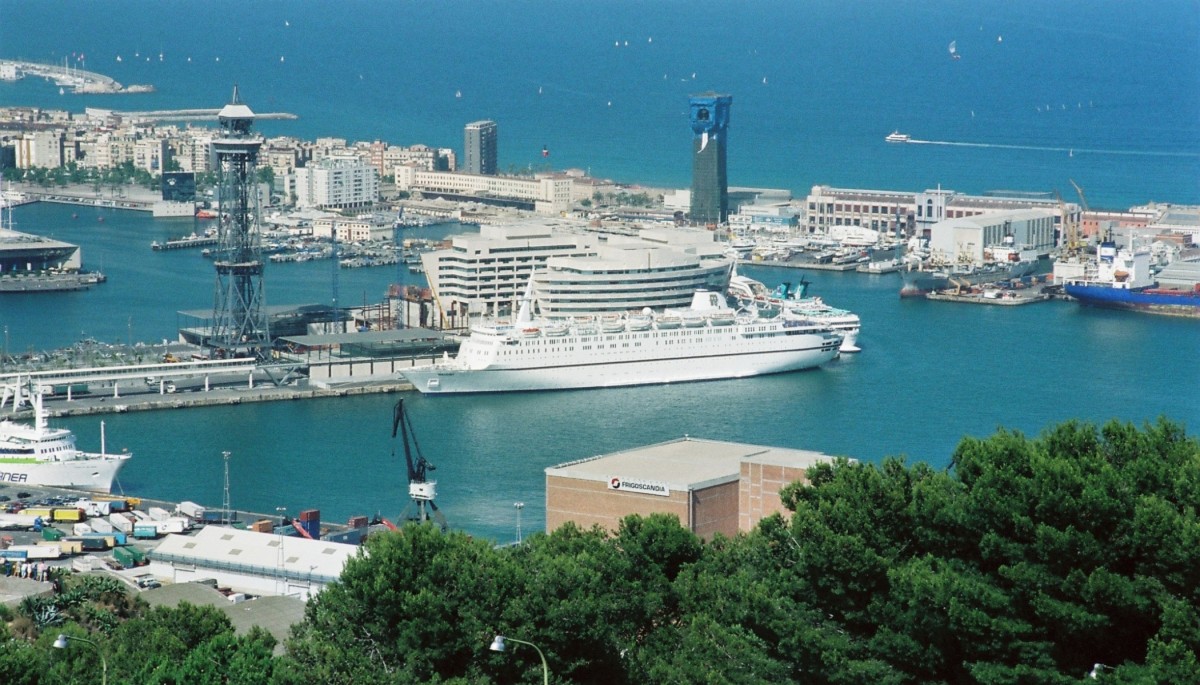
(686, 463)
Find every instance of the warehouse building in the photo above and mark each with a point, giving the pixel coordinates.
(711, 485)
(251, 562)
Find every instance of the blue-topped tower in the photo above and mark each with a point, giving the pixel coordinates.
(710, 187)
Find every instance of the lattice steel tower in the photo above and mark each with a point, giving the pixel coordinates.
(239, 321)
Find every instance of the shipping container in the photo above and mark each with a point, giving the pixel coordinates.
(359, 522)
(69, 546)
(121, 522)
(214, 516)
(37, 551)
(101, 525)
(51, 533)
(139, 515)
(145, 530)
(68, 514)
(94, 508)
(33, 512)
(109, 540)
(263, 526)
(191, 510)
(86, 563)
(128, 557)
(94, 544)
(12, 553)
(174, 524)
(81, 529)
(158, 514)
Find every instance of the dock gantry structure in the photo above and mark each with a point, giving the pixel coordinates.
(239, 327)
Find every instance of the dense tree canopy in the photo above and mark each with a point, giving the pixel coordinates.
(1027, 561)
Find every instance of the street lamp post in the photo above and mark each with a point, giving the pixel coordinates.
(499, 646)
(518, 506)
(61, 643)
(282, 511)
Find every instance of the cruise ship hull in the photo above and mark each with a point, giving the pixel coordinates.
(443, 381)
(1169, 302)
(95, 474)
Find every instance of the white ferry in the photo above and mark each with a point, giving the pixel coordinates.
(897, 137)
(708, 341)
(40, 455)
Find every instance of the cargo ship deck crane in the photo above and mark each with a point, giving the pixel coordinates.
(421, 490)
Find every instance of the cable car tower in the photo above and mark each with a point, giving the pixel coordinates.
(239, 326)
(421, 490)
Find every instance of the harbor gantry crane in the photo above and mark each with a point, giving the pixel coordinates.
(421, 490)
(1074, 240)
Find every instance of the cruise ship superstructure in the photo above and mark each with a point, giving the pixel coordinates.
(707, 341)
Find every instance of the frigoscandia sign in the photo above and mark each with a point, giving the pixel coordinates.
(647, 487)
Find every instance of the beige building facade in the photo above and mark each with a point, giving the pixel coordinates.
(711, 486)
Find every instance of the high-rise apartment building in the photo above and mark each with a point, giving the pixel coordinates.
(479, 147)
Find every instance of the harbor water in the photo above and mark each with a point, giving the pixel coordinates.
(1106, 95)
(929, 373)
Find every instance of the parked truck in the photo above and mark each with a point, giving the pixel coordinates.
(145, 531)
(175, 524)
(37, 551)
(191, 510)
(121, 522)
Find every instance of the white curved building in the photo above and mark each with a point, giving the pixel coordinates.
(630, 275)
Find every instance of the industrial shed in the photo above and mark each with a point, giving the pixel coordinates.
(712, 486)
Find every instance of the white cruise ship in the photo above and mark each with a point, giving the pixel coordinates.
(40, 455)
(708, 341)
(783, 301)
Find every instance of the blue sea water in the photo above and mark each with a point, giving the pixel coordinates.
(1116, 83)
(1105, 93)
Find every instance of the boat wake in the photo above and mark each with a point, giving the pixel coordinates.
(1047, 148)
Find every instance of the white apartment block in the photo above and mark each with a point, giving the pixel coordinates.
(350, 230)
(543, 195)
(488, 271)
(342, 182)
(151, 154)
(40, 149)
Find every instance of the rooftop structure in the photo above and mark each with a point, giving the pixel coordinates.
(252, 562)
(712, 486)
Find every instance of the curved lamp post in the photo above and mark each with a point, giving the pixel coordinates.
(61, 643)
(499, 646)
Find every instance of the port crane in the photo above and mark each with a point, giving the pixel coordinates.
(1074, 242)
(421, 490)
